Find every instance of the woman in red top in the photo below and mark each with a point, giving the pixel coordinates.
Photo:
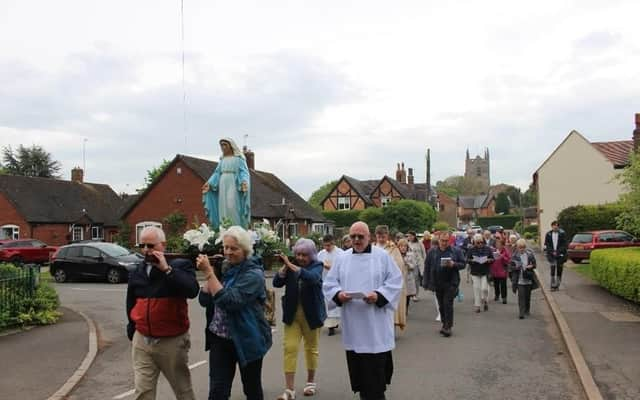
(499, 270)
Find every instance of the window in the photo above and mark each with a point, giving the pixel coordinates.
(10, 232)
(73, 251)
(37, 243)
(441, 207)
(90, 252)
(141, 225)
(344, 203)
(97, 233)
(478, 171)
(384, 200)
(293, 230)
(318, 228)
(77, 234)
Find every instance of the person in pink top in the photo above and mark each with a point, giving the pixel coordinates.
(499, 270)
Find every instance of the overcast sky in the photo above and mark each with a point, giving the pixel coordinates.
(321, 88)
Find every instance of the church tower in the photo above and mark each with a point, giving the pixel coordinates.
(478, 169)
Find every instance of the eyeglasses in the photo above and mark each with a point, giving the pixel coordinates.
(147, 245)
(356, 237)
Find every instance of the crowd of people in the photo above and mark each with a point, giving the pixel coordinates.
(364, 288)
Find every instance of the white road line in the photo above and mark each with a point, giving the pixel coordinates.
(130, 392)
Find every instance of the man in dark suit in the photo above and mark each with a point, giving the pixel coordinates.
(555, 247)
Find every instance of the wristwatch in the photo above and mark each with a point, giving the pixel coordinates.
(169, 270)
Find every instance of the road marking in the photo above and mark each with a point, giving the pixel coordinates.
(98, 290)
(130, 392)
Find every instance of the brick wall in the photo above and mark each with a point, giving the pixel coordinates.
(53, 234)
(10, 216)
(385, 189)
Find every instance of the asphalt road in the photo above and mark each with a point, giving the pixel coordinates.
(491, 355)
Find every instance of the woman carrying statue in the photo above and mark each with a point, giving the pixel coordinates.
(226, 194)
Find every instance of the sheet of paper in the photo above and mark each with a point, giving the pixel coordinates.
(356, 295)
(479, 260)
(444, 261)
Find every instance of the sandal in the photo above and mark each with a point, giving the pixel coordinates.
(287, 395)
(309, 389)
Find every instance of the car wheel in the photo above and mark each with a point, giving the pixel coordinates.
(60, 275)
(113, 275)
(576, 260)
(16, 260)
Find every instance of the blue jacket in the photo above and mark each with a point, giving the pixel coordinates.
(310, 294)
(242, 298)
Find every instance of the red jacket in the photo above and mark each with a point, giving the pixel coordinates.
(499, 266)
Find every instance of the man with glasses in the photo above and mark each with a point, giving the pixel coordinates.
(158, 318)
(366, 283)
(442, 276)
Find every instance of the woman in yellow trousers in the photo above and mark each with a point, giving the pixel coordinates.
(303, 313)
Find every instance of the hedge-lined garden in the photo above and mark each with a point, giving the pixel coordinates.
(618, 270)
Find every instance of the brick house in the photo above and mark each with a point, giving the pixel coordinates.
(472, 207)
(353, 194)
(447, 207)
(57, 211)
(178, 190)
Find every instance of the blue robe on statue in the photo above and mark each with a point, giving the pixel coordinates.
(225, 198)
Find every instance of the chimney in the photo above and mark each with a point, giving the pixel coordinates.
(404, 175)
(410, 180)
(398, 173)
(636, 134)
(77, 175)
(250, 156)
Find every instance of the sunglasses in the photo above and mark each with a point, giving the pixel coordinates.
(147, 245)
(356, 237)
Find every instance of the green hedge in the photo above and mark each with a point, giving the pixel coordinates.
(343, 217)
(506, 221)
(576, 219)
(618, 270)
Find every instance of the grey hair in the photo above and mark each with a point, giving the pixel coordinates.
(478, 238)
(242, 237)
(513, 238)
(157, 232)
(521, 242)
(306, 246)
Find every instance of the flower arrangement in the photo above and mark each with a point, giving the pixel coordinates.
(267, 243)
(203, 240)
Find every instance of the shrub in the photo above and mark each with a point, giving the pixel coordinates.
(440, 226)
(342, 217)
(579, 218)
(372, 216)
(618, 270)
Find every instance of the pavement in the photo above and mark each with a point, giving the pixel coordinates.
(606, 329)
(39, 361)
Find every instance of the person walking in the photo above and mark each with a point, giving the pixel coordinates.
(383, 242)
(418, 249)
(499, 269)
(479, 258)
(411, 262)
(555, 247)
(442, 276)
(327, 257)
(346, 243)
(303, 313)
(523, 262)
(236, 331)
(367, 284)
(158, 316)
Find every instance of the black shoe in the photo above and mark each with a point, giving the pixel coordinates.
(504, 301)
(442, 331)
(521, 316)
(496, 299)
(446, 332)
(332, 331)
(486, 306)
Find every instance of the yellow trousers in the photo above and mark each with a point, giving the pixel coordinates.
(299, 329)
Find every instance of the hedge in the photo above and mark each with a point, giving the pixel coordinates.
(506, 221)
(343, 217)
(618, 270)
(579, 218)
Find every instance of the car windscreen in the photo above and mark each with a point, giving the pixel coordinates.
(582, 238)
(113, 250)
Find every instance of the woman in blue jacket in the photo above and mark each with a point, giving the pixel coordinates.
(236, 330)
(303, 313)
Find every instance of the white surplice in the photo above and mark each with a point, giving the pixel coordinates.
(333, 314)
(366, 328)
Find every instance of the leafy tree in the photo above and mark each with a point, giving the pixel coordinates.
(319, 194)
(457, 185)
(154, 173)
(502, 203)
(30, 161)
(175, 224)
(373, 216)
(405, 215)
(530, 197)
(629, 218)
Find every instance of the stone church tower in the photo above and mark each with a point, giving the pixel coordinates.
(477, 169)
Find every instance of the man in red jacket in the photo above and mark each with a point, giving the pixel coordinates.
(158, 318)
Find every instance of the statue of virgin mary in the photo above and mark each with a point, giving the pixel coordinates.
(226, 194)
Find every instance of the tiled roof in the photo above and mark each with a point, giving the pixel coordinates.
(616, 151)
(267, 192)
(47, 200)
(475, 202)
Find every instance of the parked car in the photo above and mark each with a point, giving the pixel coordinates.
(583, 243)
(95, 260)
(25, 251)
(495, 228)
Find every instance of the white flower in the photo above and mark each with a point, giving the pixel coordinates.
(199, 237)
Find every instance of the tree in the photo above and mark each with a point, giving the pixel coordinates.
(502, 203)
(373, 216)
(405, 215)
(457, 185)
(154, 173)
(319, 194)
(629, 218)
(30, 161)
(530, 197)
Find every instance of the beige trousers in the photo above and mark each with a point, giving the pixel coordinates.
(167, 355)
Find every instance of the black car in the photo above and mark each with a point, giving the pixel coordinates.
(103, 261)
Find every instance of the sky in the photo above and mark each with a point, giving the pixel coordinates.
(316, 89)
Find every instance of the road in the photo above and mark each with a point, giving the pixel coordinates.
(491, 355)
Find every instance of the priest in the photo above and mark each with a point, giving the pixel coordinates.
(366, 283)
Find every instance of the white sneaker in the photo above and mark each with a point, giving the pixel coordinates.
(438, 318)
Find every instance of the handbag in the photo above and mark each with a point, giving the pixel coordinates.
(528, 274)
